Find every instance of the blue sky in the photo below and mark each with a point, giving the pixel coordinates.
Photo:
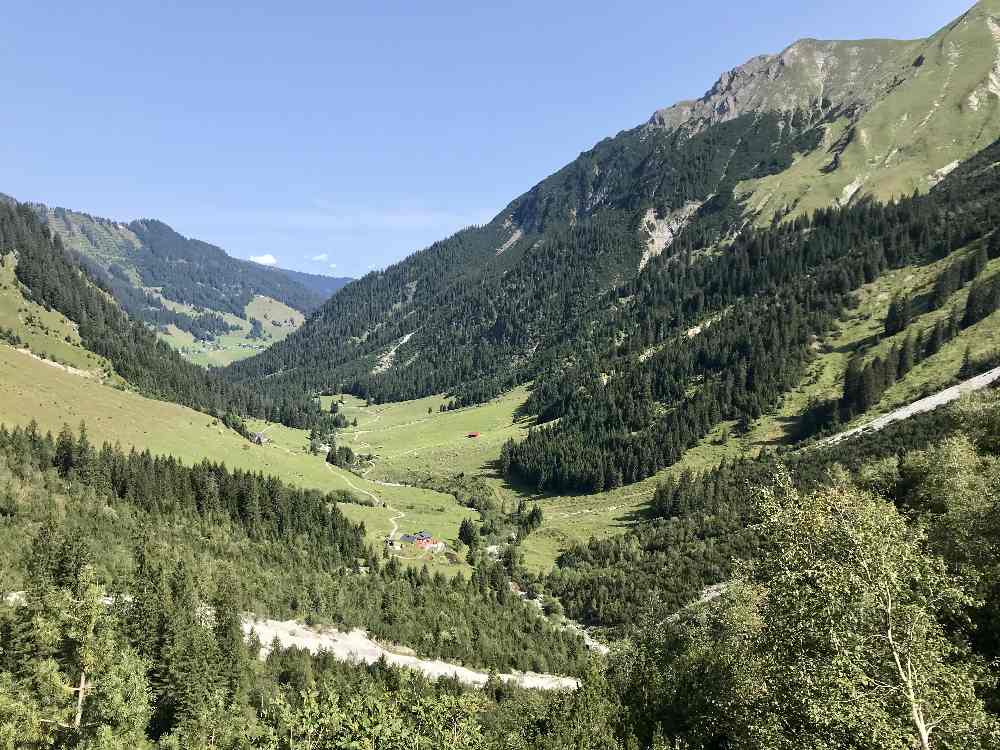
(338, 137)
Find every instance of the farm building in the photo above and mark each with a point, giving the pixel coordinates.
(259, 438)
(420, 536)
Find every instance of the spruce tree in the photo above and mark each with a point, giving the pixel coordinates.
(906, 357)
(993, 247)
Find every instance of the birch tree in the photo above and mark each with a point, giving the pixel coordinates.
(853, 650)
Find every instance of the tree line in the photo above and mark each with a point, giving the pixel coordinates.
(709, 336)
(867, 618)
(291, 551)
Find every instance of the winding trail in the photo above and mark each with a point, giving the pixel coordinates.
(353, 486)
(375, 498)
(393, 520)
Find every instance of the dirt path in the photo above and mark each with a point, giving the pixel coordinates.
(356, 646)
(349, 483)
(918, 407)
(393, 520)
(58, 365)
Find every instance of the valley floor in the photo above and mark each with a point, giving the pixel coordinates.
(415, 443)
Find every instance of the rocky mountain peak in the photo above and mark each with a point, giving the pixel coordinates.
(807, 74)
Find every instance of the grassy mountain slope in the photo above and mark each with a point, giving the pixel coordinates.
(277, 320)
(46, 333)
(32, 389)
(821, 124)
(57, 279)
(941, 106)
(201, 300)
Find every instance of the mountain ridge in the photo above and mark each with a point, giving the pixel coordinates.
(769, 142)
(207, 304)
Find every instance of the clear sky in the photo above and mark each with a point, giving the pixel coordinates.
(338, 137)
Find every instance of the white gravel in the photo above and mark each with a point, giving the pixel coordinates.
(918, 407)
(356, 646)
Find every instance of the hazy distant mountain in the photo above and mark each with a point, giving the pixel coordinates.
(325, 286)
(182, 286)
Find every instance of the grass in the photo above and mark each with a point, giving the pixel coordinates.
(414, 438)
(277, 318)
(113, 243)
(408, 440)
(35, 387)
(924, 124)
(427, 510)
(47, 333)
(32, 389)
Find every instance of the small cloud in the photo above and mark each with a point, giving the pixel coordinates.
(320, 258)
(333, 266)
(264, 260)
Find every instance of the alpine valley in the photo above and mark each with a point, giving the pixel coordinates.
(694, 445)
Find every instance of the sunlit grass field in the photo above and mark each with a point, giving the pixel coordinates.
(277, 319)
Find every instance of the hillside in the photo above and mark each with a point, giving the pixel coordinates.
(820, 124)
(695, 445)
(583, 284)
(201, 300)
(46, 276)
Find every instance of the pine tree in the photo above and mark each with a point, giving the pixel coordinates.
(65, 451)
(67, 679)
(906, 357)
(993, 247)
(936, 340)
(899, 315)
(468, 533)
(966, 370)
(234, 667)
(977, 306)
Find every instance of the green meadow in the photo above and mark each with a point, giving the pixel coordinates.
(277, 319)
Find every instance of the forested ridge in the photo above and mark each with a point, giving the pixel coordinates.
(55, 279)
(148, 253)
(636, 367)
(804, 586)
(697, 525)
(280, 551)
(475, 313)
(200, 274)
(761, 303)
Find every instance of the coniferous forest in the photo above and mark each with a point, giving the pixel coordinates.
(890, 541)
(761, 304)
(631, 385)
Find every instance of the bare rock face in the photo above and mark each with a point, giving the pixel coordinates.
(808, 75)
